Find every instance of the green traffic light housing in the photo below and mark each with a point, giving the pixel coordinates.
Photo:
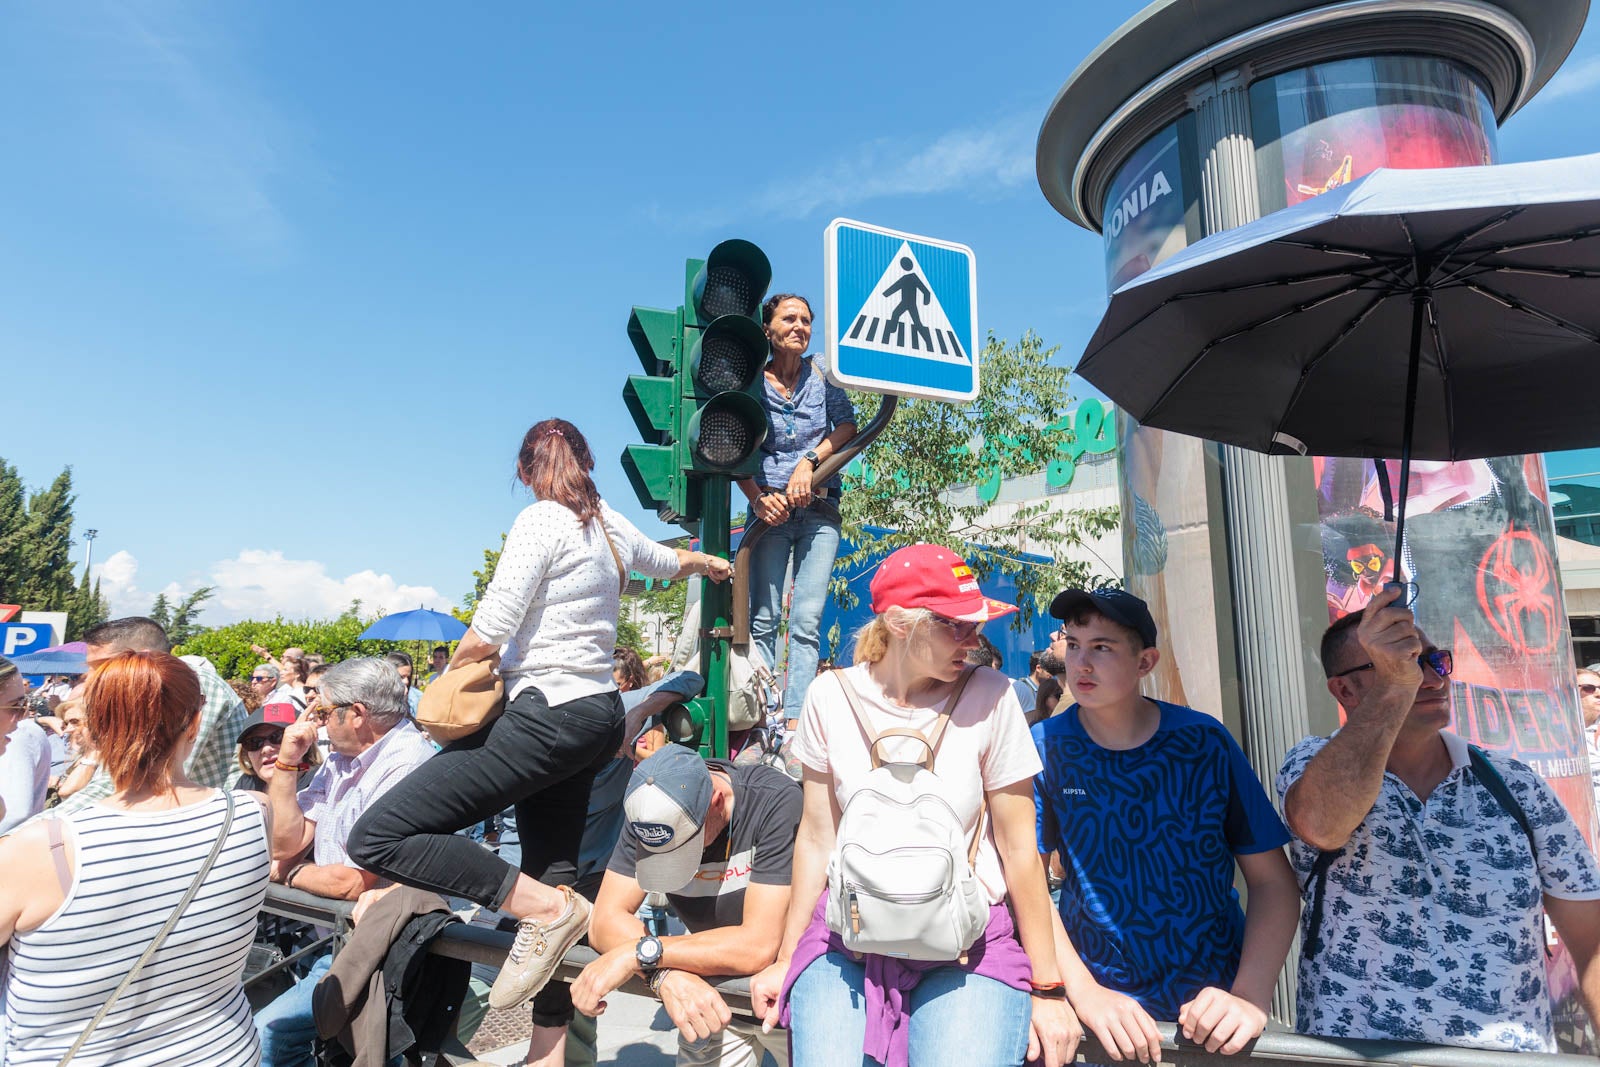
(728, 354)
(732, 281)
(725, 433)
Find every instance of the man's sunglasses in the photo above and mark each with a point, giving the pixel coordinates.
(259, 678)
(257, 742)
(1439, 661)
(324, 713)
(1588, 690)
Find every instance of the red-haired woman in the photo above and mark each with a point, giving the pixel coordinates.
(87, 893)
(553, 605)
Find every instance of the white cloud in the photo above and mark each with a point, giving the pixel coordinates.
(982, 161)
(1580, 77)
(260, 584)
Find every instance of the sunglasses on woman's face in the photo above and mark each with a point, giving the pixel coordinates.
(257, 742)
(958, 629)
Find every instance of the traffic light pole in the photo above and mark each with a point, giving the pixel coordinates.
(716, 610)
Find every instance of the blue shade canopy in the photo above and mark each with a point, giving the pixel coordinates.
(52, 661)
(418, 625)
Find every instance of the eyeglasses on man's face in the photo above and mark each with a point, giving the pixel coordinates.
(258, 679)
(1439, 661)
(1588, 689)
(324, 712)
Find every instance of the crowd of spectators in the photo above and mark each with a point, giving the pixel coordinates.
(1098, 835)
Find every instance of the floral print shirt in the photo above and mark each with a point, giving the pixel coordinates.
(1432, 918)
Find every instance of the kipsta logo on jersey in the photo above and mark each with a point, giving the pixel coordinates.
(652, 834)
(1514, 592)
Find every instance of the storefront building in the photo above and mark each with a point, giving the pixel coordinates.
(1201, 115)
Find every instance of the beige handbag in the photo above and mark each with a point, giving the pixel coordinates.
(462, 701)
(465, 699)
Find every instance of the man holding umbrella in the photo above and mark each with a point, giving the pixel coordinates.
(1427, 866)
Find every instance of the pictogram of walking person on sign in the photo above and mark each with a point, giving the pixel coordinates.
(908, 287)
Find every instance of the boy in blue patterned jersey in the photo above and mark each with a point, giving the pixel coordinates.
(1150, 805)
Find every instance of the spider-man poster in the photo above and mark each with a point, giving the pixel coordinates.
(1480, 545)
(1323, 126)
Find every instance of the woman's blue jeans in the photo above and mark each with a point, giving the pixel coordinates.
(809, 539)
(958, 1018)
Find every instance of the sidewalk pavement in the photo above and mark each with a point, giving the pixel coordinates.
(634, 1032)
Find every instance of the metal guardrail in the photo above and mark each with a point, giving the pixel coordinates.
(478, 944)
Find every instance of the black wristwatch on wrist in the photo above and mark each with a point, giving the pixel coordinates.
(811, 454)
(648, 953)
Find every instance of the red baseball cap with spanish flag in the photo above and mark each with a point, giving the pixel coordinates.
(933, 577)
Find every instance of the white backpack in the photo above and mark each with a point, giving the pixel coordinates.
(901, 879)
(751, 687)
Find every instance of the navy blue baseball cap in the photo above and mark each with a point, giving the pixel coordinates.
(1118, 605)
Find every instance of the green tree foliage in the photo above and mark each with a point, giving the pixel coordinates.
(228, 647)
(179, 619)
(87, 609)
(35, 547)
(47, 583)
(630, 635)
(931, 450)
(668, 600)
(480, 582)
(13, 520)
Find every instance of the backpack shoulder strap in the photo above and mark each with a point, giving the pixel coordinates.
(58, 853)
(1490, 778)
(1312, 942)
(871, 736)
(949, 710)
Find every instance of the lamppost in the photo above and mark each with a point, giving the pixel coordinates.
(88, 549)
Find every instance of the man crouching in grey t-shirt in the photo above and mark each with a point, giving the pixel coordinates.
(718, 840)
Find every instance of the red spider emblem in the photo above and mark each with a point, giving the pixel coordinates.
(1514, 592)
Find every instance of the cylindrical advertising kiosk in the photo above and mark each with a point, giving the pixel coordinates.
(1200, 115)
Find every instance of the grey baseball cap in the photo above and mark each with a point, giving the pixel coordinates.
(665, 807)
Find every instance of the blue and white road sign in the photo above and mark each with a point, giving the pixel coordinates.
(901, 312)
(21, 638)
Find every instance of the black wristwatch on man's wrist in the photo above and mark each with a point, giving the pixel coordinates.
(811, 454)
(647, 951)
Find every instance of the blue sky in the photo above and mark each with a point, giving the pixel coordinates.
(285, 283)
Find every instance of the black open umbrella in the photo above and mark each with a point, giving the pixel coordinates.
(1291, 334)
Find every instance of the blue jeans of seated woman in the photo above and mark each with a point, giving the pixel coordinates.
(809, 539)
(958, 1018)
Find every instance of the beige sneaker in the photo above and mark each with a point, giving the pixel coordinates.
(537, 951)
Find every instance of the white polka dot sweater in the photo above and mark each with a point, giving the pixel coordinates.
(554, 599)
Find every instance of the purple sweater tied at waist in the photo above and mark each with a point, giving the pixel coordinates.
(997, 954)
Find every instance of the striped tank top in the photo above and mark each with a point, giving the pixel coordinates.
(187, 1007)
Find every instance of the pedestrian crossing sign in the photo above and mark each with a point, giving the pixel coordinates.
(901, 312)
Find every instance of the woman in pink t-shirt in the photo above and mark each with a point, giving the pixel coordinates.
(1004, 999)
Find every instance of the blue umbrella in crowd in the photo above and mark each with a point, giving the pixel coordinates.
(418, 625)
(1438, 314)
(62, 659)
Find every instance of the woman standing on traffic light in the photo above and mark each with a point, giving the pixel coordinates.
(808, 420)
